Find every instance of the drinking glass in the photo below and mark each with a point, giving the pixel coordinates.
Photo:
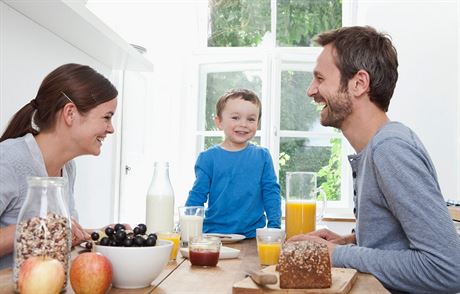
(305, 203)
(191, 223)
(174, 237)
(269, 242)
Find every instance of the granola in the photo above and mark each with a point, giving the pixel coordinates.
(43, 236)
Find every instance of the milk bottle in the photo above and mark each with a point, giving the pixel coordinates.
(160, 200)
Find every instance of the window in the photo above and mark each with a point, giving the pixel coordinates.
(267, 46)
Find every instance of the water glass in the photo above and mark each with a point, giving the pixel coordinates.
(191, 223)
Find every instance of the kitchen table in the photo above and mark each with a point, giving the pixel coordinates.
(220, 279)
(181, 277)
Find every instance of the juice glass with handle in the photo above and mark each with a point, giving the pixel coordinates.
(305, 203)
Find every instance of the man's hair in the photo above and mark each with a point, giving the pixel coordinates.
(244, 94)
(363, 48)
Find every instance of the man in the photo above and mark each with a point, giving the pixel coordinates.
(404, 235)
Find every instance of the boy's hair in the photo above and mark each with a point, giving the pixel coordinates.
(244, 94)
(364, 48)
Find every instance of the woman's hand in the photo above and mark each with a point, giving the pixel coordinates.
(79, 234)
(7, 239)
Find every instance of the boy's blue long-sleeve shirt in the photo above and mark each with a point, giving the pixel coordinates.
(239, 186)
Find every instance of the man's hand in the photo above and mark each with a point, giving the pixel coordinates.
(333, 237)
(329, 236)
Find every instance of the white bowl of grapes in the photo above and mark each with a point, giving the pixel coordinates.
(137, 256)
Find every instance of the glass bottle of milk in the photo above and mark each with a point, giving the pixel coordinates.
(160, 201)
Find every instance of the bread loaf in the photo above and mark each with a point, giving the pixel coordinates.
(304, 265)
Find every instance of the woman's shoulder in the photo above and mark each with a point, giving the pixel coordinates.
(11, 149)
(14, 141)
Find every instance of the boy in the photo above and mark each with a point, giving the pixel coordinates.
(237, 178)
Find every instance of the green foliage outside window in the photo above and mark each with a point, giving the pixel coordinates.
(244, 23)
(298, 21)
(330, 174)
(238, 23)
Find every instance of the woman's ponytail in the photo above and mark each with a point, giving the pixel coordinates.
(21, 123)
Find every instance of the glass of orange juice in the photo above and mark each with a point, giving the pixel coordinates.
(305, 203)
(269, 242)
(175, 238)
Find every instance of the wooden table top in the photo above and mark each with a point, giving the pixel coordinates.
(181, 277)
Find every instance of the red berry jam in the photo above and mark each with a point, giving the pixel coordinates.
(203, 258)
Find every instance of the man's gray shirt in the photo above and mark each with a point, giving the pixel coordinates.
(405, 236)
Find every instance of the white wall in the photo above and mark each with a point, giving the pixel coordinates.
(169, 31)
(426, 36)
(27, 53)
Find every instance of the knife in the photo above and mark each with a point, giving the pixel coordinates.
(222, 236)
(262, 278)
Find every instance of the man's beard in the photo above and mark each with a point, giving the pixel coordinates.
(339, 106)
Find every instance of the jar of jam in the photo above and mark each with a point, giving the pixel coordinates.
(204, 251)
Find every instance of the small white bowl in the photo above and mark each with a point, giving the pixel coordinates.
(136, 267)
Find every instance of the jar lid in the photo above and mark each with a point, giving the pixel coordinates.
(204, 243)
(46, 181)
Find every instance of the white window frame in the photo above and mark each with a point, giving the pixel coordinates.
(271, 59)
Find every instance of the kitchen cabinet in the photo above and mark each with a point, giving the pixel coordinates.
(77, 25)
(38, 36)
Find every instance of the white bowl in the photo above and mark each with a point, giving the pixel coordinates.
(136, 267)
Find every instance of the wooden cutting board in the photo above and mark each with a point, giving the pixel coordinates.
(342, 281)
(454, 212)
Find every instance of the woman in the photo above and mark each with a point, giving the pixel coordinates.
(70, 116)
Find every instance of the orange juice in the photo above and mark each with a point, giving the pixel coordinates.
(174, 237)
(300, 217)
(268, 253)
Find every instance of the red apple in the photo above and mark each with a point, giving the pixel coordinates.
(41, 274)
(90, 272)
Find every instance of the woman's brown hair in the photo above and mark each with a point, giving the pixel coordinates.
(76, 83)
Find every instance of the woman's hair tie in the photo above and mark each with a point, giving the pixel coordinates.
(34, 103)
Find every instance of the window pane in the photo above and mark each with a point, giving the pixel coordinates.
(298, 112)
(238, 23)
(211, 141)
(298, 21)
(219, 83)
(318, 155)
